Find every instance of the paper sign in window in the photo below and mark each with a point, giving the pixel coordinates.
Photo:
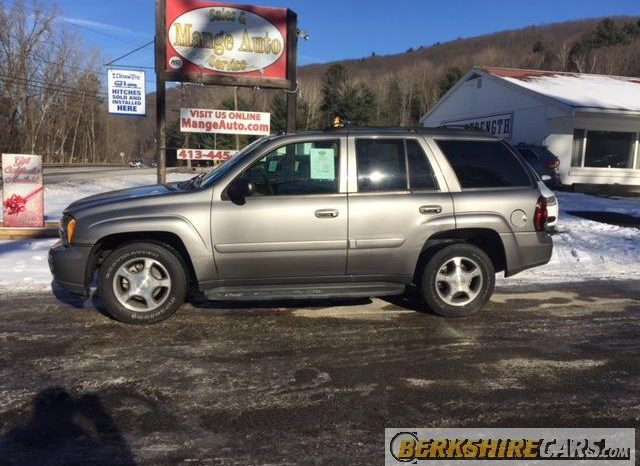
(322, 164)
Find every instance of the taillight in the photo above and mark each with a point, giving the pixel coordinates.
(541, 215)
(552, 164)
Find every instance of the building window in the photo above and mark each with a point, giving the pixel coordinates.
(578, 147)
(604, 149)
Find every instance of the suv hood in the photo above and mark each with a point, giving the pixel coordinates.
(121, 195)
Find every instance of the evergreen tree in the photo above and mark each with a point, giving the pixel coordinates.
(333, 87)
(449, 79)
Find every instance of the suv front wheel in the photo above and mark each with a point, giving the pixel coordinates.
(458, 280)
(142, 283)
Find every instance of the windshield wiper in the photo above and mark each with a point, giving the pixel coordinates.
(197, 180)
(192, 182)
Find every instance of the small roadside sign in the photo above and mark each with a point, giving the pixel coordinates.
(127, 94)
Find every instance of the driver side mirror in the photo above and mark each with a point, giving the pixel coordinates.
(239, 190)
(545, 178)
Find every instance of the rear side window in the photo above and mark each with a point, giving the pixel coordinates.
(420, 173)
(485, 164)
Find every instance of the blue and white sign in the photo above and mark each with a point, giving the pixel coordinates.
(127, 95)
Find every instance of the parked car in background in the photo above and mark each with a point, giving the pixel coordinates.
(345, 212)
(543, 162)
(136, 163)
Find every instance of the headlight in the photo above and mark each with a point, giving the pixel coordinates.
(67, 228)
(71, 230)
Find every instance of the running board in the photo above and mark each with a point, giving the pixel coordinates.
(316, 291)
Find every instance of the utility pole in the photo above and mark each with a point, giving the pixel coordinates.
(235, 107)
(183, 98)
(161, 136)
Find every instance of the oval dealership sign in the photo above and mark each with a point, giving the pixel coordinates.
(224, 39)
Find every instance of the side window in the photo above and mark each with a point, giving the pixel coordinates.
(484, 164)
(381, 165)
(310, 167)
(421, 174)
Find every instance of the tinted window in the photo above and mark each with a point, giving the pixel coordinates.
(300, 168)
(528, 155)
(420, 172)
(484, 164)
(381, 165)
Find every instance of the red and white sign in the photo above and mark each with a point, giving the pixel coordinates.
(22, 191)
(206, 154)
(198, 120)
(226, 39)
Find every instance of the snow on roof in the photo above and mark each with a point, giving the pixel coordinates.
(577, 90)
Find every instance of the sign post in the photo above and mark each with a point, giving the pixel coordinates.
(22, 191)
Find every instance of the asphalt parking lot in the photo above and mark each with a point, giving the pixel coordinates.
(307, 382)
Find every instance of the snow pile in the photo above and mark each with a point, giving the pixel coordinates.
(582, 90)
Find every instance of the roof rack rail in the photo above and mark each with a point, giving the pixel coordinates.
(362, 129)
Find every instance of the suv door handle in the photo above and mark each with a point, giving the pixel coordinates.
(430, 209)
(327, 213)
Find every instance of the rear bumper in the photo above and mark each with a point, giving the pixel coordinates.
(526, 250)
(68, 266)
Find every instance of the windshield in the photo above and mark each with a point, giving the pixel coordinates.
(229, 165)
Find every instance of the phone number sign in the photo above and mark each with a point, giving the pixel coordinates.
(205, 154)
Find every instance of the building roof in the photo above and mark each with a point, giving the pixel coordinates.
(577, 90)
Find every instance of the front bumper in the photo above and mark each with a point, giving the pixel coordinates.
(68, 266)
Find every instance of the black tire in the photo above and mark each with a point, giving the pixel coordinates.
(166, 264)
(432, 287)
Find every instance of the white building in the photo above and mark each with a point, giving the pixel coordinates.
(590, 122)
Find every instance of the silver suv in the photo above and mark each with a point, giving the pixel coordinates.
(348, 212)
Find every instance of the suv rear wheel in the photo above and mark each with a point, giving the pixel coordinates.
(142, 283)
(458, 280)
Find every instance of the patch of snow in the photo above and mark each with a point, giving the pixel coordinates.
(581, 90)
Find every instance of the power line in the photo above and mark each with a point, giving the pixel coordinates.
(130, 53)
(42, 86)
(52, 85)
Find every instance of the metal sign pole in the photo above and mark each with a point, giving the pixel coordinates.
(292, 50)
(161, 111)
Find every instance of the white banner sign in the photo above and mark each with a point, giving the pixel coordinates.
(198, 120)
(498, 125)
(22, 191)
(205, 154)
(127, 92)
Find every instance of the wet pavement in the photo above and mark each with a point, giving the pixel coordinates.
(307, 382)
